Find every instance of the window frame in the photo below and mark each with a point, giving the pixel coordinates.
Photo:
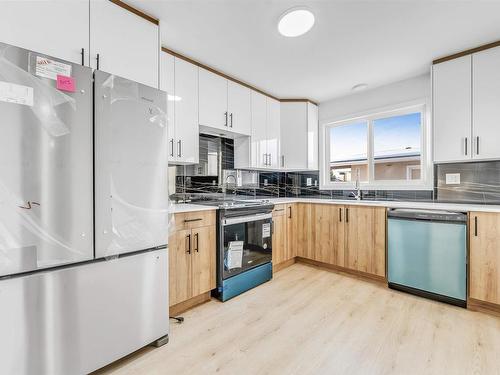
(426, 169)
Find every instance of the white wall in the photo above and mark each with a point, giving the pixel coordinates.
(380, 97)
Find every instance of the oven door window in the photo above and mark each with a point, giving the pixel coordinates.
(246, 245)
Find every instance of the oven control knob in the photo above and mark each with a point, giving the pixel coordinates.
(265, 246)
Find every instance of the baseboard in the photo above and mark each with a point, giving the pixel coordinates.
(484, 307)
(281, 266)
(183, 306)
(346, 271)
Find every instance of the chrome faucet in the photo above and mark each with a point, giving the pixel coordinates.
(358, 195)
(227, 181)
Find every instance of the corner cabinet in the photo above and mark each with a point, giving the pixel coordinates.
(466, 93)
(123, 43)
(299, 136)
(192, 254)
(179, 79)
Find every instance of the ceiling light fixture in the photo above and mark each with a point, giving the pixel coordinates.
(295, 22)
(359, 87)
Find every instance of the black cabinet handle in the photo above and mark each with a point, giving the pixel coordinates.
(477, 145)
(191, 220)
(83, 56)
(231, 123)
(188, 237)
(272, 226)
(98, 58)
(340, 214)
(196, 242)
(290, 212)
(465, 145)
(346, 215)
(475, 226)
(279, 209)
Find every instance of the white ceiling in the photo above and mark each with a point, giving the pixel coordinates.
(352, 42)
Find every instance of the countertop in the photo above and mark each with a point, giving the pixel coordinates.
(188, 207)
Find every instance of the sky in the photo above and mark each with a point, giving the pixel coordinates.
(392, 136)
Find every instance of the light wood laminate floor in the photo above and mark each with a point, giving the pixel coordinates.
(312, 321)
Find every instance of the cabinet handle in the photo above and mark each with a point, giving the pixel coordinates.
(270, 159)
(98, 59)
(188, 238)
(265, 159)
(346, 215)
(272, 226)
(231, 124)
(225, 114)
(83, 56)
(289, 212)
(279, 209)
(283, 161)
(191, 220)
(475, 226)
(477, 145)
(340, 214)
(465, 145)
(179, 148)
(172, 147)
(196, 242)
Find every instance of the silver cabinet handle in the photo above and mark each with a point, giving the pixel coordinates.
(270, 159)
(231, 123)
(225, 115)
(179, 148)
(465, 145)
(283, 161)
(172, 147)
(477, 145)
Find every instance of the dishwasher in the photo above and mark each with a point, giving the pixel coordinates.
(427, 254)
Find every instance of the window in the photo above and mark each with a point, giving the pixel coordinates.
(385, 150)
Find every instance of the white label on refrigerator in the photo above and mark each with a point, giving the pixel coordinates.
(452, 178)
(14, 93)
(266, 230)
(234, 254)
(48, 68)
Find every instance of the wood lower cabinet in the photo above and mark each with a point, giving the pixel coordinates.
(327, 234)
(192, 256)
(365, 239)
(279, 234)
(484, 252)
(291, 231)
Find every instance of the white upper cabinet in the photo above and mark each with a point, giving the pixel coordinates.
(312, 136)
(56, 28)
(258, 139)
(239, 108)
(213, 100)
(186, 112)
(451, 85)
(180, 80)
(273, 133)
(299, 136)
(486, 104)
(123, 43)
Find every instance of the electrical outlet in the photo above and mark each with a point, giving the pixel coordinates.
(309, 181)
(452, 178)
(265, 181)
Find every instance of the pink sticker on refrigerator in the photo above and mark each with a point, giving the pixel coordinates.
(65, 83)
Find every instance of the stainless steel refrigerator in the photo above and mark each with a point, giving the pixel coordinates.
(83, 216)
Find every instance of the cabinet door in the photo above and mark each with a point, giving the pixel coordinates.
(239, 108)
(203, 258)
(180, 281)
(486, 104)
(279, 239)
(186, 112)
(485, 257)
(312, 136)
(322, 233)
(291, 231)
(167, 84)
(451, 85)
(294, 137)
(304, 236)
(365, 239)
(127, 44)
(258, 147)
(273, 133)
(55, 28)
(213, 100)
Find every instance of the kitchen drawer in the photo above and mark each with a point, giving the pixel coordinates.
(195, 219)
(279, 210)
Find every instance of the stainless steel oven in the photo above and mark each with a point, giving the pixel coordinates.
(244, 247)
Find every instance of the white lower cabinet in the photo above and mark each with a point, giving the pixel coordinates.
(122, 43)
(179, 79)
(56, 28)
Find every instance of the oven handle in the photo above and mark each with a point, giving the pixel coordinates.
(246, 219)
